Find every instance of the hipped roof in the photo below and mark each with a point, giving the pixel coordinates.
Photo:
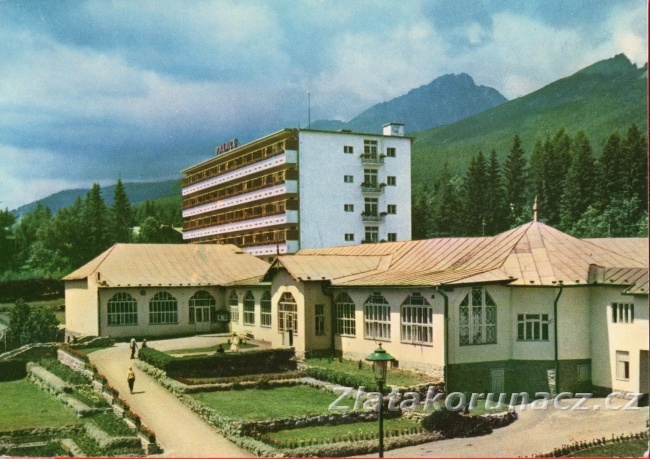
(533, 254)
(173, 265)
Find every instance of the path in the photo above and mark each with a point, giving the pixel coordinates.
(180, 431)
(537, 432)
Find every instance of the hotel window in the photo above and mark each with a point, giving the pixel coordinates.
(122, 310)
(622, 365)
(416, 317)
(372, 234)
(370, 177)
(371, 207)
(348, 207)
(163, 309)
(287, 313)
(392, 237)
(199, 299)
(265, 309)
(319, 319)
(532, 327)
(391, 180)
(622, 313)
(477, 318)
(233, 302)
(370, 148)
(348, 179)
(390, 152)
(348, 149)
(344, 310)
(349, 236)
(249, 309)
(391, 209)
(376, 317)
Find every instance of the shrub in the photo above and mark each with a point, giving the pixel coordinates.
(12, 369)
(343, 379)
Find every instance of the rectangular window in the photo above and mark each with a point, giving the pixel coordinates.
(348, 149)
(623, 365)
(391, 180)
(391, 209)
(372, 234)
(376, 318)
(249, 310)
(390, 152)
(370, 148)
(345, 324)
(319, 318)
(348, 207)
(370, 177)
(392, 237)
(623, 313)
(417, 320)
(265, 311)
(584, 372)
(349, 236)
(477, 318)
(370, 206)
(234, 313)
(532, 327)
(348, 178)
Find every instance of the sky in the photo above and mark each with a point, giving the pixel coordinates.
(96, 90)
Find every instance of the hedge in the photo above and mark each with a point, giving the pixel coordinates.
(11, 370)
(31, 289)
(342, 379)
(221, 365)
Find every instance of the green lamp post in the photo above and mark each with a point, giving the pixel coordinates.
(380, 359)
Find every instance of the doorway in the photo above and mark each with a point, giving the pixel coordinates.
(202, 318)
(497, 380)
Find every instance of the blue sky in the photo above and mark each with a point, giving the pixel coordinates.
(95, 90)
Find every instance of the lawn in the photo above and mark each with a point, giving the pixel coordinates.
(399, 378)
(324, 433)
(258, 404)
(23, 405)
(210, 349)
(632, 448)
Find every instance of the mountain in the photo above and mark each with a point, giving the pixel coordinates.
(606, 96)
(136, 192)
(445, 100)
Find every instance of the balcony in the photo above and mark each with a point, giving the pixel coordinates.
(370, 187)
(370, 159)
(372, 216)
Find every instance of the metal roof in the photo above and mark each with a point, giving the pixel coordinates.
(174, 265)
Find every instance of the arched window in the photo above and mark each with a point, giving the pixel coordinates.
(477, 321)
(265, 309)
(202, 299)
(376, 317)
(345, 323)
(163, 309)
(417, 320)
(122, 309)
(249, 309)
(233, 302)
(287, 313)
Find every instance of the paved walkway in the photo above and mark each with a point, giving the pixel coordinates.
(537, 432)
(180, 431)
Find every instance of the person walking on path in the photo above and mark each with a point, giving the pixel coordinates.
(134, 347)
(234, 343)
(130, 378)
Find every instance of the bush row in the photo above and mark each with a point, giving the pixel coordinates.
(11, 370)
(342, 379)
(565, 450)
(221, 365)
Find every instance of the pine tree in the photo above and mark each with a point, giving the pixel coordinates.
(97, 223)
(26, 230)
(449, 207)
(121, 215)
(579, 191)
(7, 247)
(635, 167)
(475, 202)
(610, 172)
(496, 215)
(421, 213)
(516, 177)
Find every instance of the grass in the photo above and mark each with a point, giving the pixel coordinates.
(65, 373)
(87, 395)
(632, 448)
(112, 425)
(23, 405)
(325, 433)
(210, 349)
(399, 378)
(259, 404)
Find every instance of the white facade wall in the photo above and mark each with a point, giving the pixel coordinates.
(323, 192)
(259, 332)
(610, 337)
(81, 307)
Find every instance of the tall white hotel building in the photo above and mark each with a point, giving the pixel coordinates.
(302, 189)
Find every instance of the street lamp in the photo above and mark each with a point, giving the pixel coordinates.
(380, 359)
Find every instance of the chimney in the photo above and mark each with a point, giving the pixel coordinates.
(394, 129)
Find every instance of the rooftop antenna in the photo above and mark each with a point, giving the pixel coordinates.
(308, 110)
(535, 210)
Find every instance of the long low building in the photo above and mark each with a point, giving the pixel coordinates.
(531, 309)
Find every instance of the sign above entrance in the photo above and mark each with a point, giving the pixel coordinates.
(224, 147)
(223, 316)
